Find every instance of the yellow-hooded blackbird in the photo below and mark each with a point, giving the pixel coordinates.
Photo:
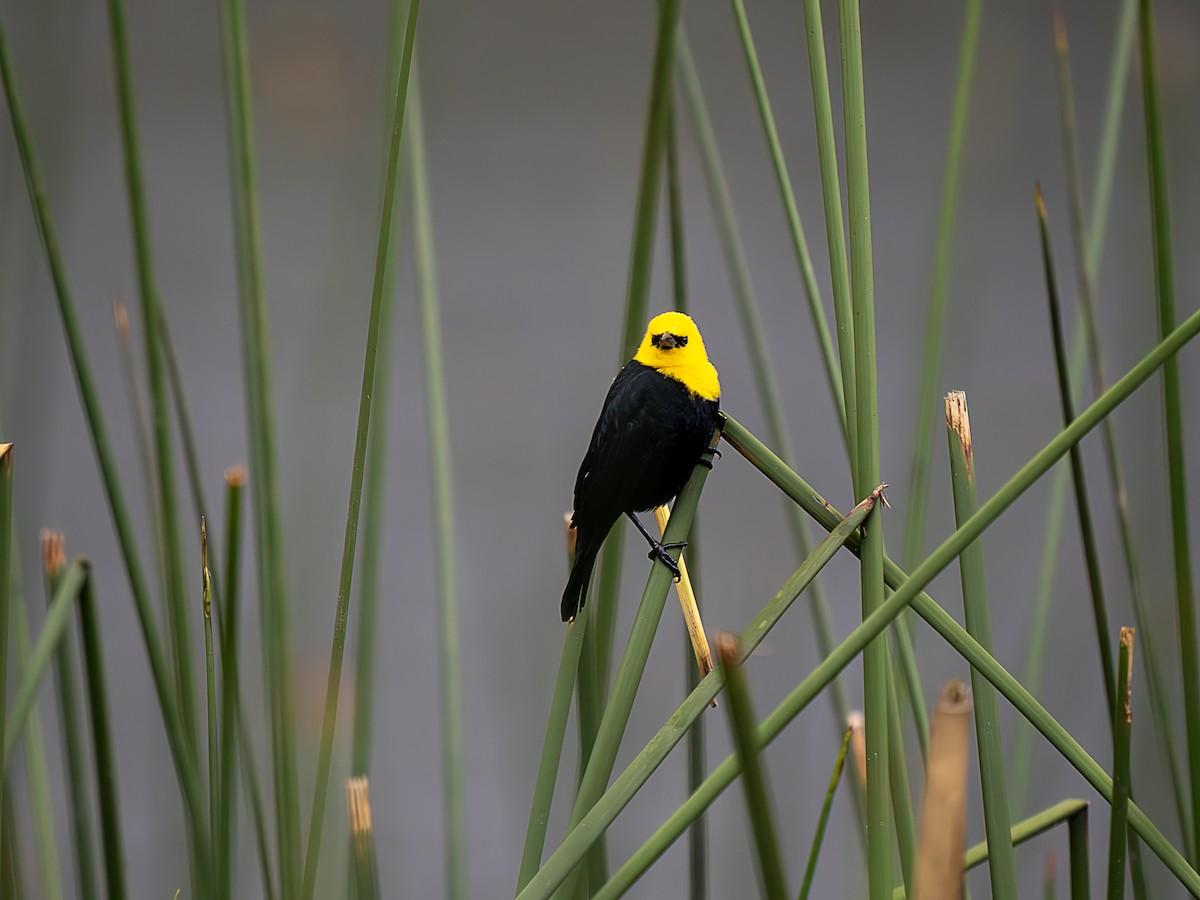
(654, 428)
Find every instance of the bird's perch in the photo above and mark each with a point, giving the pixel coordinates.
(687, 600)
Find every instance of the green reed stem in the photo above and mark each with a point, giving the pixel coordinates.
(590, 693)
(637, 298)
(902, 809)
(633, 662)
(795, 228)
(210, 684)
(831, 196)
(814, 853)
(160, 415)
(1101, 194)
(754, 777)
(1002, 867)
(1164, 289)
(1122, 718)
(1080, 866)
(376, 477)
(939, 289)
(547, 773)
(40, 801)
(866, 468)
(931, 354)
(185, 764)
(102, 743)
(260, 426)
(73, 740)
(383, 251)
(11, 877)
(1082, 502)
(909, 588)
(747, 306)
(53, 629)
(697, 836)
(254, 797)
(453, 752)
(575, 845)
(1085, 279)
(1025, 830)
(235, 481)
(6, 571)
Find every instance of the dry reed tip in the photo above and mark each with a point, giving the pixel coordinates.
(1060, 33)
(955, 698)
(121, 318)
(858, 743)
(1127, 644)
(958, 420)
(1051, 864)
(6, 457)
(358, 801)
(205, 578)
(235, 476)
(729, 649)
(571, 533)
(1039, 201)
(54, 552)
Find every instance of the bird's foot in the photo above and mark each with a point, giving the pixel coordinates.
(658, 550)
(712, 452)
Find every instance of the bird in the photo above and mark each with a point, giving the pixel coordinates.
(654, 429)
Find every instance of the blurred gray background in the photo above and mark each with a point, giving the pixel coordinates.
(534, 117)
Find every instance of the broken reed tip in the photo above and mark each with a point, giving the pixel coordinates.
(121, 318)
(1060, 32)
(235, 476)
(572, 533)
(955, 698)
(54, 552)
(959, 421)
(858, 743)
(1126, 643)
(1039, 201)
(359, 804)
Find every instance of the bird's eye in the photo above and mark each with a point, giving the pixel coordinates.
(655, 339)
(681, 341)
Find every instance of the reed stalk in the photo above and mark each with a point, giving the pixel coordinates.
(1164, 289)
(783, 182)
(72, 727)
(575, 845)
(260, 426)
(1122, 717)
(6, 578)
(109, 805)
(637, 298)
(1002, 868)
(866, 467)
(162, 474)
(357, 470)
(814, 853)
(741, 723)
(184, 762)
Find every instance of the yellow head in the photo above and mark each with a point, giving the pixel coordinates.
(672, 345)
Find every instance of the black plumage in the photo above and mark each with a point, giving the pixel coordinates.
(651, 433)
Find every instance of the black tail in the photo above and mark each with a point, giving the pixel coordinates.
(577, 584)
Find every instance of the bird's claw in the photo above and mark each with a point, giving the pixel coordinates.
(708, 451)
(659, 551)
